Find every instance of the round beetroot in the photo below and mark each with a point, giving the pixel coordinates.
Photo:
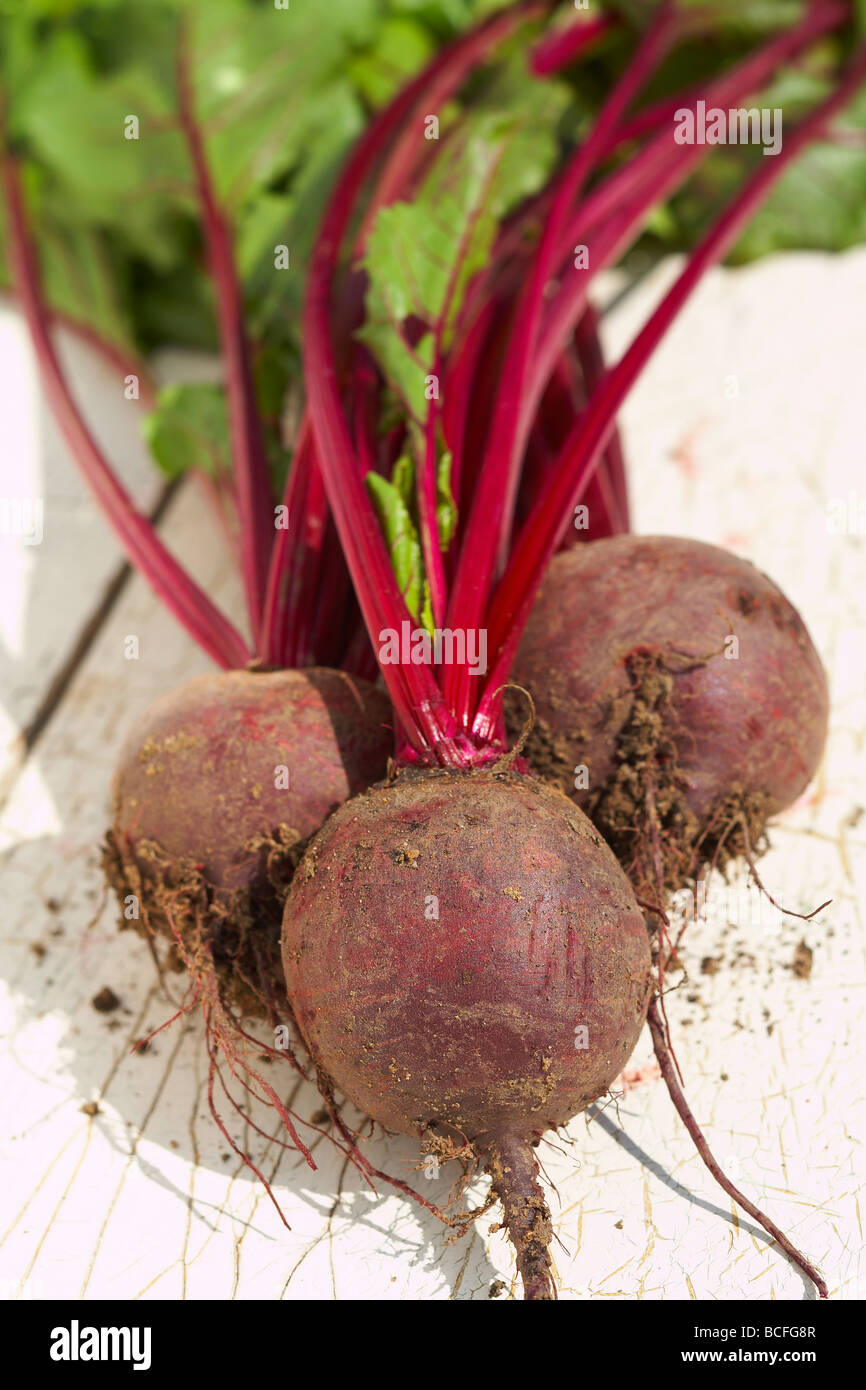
(217, 788)
(677, 693)
(465, 959)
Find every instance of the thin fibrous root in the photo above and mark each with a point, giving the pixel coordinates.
(214, 1073)
(750, 860)
(460, 1221)
(222, 1033)
(681, 1106)
(513, 1168)
(664, 932)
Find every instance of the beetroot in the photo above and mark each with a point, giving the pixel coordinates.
(467, 963)
(685, 683)
(222, 781)
(448, 937)
(217, 789)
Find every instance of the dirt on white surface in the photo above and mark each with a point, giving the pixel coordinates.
(747, 430)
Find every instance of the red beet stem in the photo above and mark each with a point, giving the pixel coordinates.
(556, 51)
(321, 573)
(115, 356)
(414, 692)
(589, 350)
(489, 524)
(172, 584)
(280, 608)
(567, 391)
(653, 172)
(433, 88)
(428, 522)
(543, 531)
(247, 442)
(612, 214)
(681, 1105)
(380, 599)
(648, 57)
(437, 724)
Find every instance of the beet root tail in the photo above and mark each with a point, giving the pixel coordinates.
(513, 1168)
(663, 1055)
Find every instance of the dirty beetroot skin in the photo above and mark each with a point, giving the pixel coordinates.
(463, 1026)
(201, 830)
(624, 656)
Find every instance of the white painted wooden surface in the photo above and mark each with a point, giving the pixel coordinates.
(57, 562)
(139, 1201)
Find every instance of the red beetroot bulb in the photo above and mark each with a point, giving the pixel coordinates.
(676, 691)
(466, 961)
(217, 788)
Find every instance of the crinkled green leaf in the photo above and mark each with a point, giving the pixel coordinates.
(396, 506)
(261, 229)
(446, 508)
(189, 430)
(820, 204)
(422, 255)
(76, 122)
(281, 94)
(426, 618)
(265, 80)
(401, 47)
(401, 538)
(436, 13)
(278, 100)
(820, 201)
(403, 479)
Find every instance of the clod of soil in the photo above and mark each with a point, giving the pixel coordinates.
(106, 1001)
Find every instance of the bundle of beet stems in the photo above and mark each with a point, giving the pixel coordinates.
(466, 958)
